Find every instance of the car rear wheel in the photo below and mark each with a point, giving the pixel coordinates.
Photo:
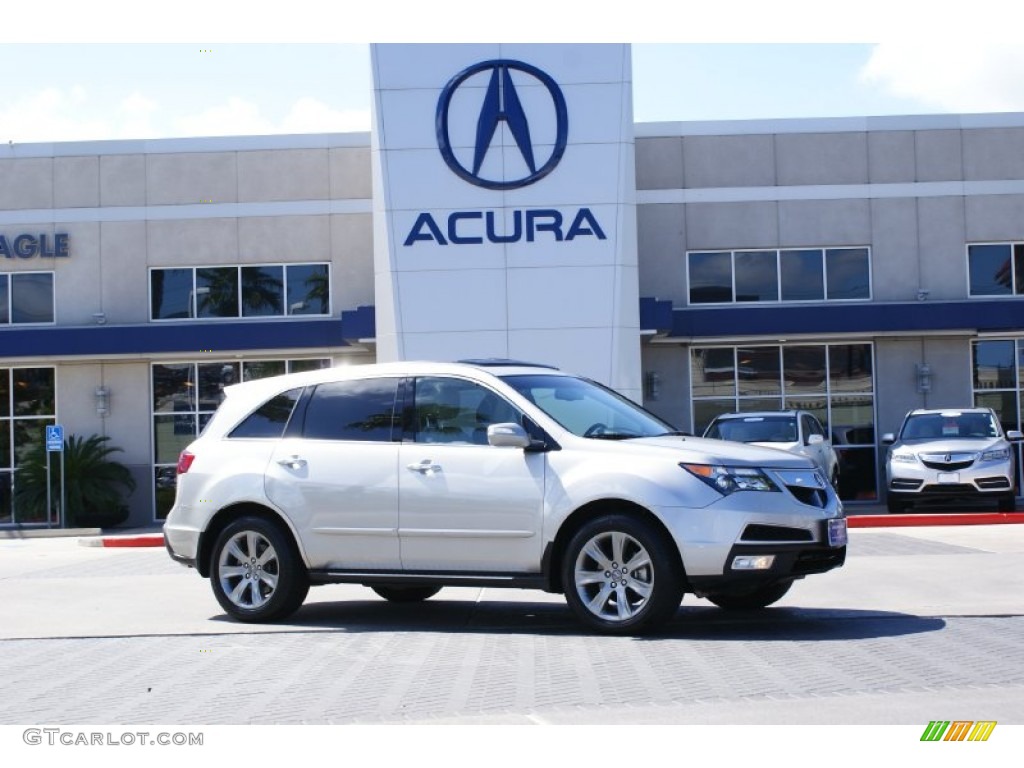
(621, 576)
(414, 594)
(256, 572)
(750, 601)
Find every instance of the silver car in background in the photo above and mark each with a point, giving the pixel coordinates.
(958, 454)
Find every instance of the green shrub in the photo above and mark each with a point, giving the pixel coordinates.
(93, 483)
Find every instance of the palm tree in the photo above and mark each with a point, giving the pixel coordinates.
(92, 481)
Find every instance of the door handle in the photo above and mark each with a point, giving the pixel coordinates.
(292, 462)
(425, 467)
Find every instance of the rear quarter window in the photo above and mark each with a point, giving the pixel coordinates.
(270, 419)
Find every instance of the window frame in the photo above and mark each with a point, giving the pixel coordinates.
(1013, 246)
(9, 298)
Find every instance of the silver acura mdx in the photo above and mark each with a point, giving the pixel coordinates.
(408, 477)
(958, 454)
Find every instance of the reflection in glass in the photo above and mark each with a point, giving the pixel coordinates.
(858, 477)
(213, 378)
(1003, 403)
(34, 391)
(173, 387)
(850, 367)
(750, 404)
(262, 291)
(713, 371)
(704, 412)
(5, 304)
(5, 392)
(217, 292)
(815, 405)
(171, 435)
(262, 369)
(993, 364)
(309, 291)
(710, 276)
(848, 272)
(32, 298)
(5, 444)
(166, 483)
(6, 507)
(802, 275)
(989, 269)
(757, 276)
(1018, 268)
(315, 364)
(352, 410)
(759, 370)
(171, 293)
(804, 368)
(853, 420)
(28, 434)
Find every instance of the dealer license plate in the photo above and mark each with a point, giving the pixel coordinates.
(949, 478)
(837, 533)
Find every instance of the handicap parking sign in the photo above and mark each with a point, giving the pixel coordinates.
(55, 438)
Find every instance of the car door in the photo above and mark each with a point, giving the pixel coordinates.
(817, 451)
(465, 505)
(335, 474)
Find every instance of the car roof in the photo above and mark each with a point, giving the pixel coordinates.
(757, 414)
(480, 370)
(940, 411)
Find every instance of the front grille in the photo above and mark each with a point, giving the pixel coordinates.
(814, 497)
(948, 462)
(899, 484)
(757, 532)
(993, 483)
(950, 489)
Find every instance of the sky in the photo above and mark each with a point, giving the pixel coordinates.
(86, 79)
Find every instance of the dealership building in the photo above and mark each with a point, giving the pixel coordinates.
(506, 205)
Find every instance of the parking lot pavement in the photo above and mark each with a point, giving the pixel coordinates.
(919, 624)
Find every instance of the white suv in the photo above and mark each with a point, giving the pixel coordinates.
(407, 477)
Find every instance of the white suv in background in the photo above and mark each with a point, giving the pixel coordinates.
(407, 477)
(959, 454)
(798, 432)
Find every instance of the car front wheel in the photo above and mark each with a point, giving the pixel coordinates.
(750, 601)
(257, 574)
(621, 576)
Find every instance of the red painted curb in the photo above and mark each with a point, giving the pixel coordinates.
(938, 518)
(146, 540)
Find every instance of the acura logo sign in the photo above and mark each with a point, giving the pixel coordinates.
(502, 104)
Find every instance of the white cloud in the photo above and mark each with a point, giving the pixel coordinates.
(52, 114)
(309, 115)
(951, 77)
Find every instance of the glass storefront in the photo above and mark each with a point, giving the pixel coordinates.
(835, 382)
(28, 404)
(997, 375)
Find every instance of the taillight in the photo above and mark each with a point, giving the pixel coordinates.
(185, 461)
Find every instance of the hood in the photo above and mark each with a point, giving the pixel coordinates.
(952, 445)
(699, 450)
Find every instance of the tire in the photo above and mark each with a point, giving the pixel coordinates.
(256, 572)
(1007, 503)
(751, 601)
(621, 575)
(895, 506)
(413, 594)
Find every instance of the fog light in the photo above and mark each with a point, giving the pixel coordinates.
(753, 562)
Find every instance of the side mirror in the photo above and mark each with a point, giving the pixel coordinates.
(815, 439)
(1015, 435)
(507, 436)
(888, 438)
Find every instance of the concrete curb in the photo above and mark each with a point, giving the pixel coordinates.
(144, 540)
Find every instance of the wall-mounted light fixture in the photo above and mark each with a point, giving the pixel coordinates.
(924, 378)
(102, 395)
(923, 294)
(652, 385)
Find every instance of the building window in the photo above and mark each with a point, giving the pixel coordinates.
(998, 379)
(808, 274)
(265, 290)
(186, 395)
(995, 269)
(28, 404)
(835, 382)
(26, 297)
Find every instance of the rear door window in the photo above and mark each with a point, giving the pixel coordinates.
(362, 409)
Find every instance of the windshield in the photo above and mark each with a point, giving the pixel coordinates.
(755, 429)
(588, 409)
(953, 424)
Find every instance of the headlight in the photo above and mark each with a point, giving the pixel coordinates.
(904, 458)
(1000, 455)
(728, 480)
